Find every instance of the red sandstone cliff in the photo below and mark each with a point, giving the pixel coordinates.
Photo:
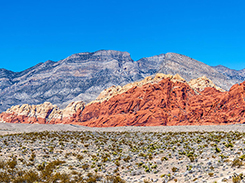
(168, 103)
(165, 102)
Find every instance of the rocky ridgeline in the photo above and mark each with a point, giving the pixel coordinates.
(42, 114)
(115, 90)
(161, 100)
(198, 85)
(231, 73)
(168, 103)
(82, 76)
(189, 69)
(201, 83)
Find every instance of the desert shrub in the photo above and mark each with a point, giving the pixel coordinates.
(164, 158)
(126, 159)
(236, 163)
(31, 176)
(150, 156)
(211, 174)
(229, 145)
(62, 177)
(223, 156)
(114, 179)
(4, 177)
(154, 166)
(147, 181)
(79, 157)
(12, 163)
(47, 171)
(175, 169)
(40, 167)
(117, 163)
(147, 169)
(217, 150)
(236, 178)
(86, 145)
(242, 157)
(32, 157)
(192, 158)
(85, 166)
(2, 164)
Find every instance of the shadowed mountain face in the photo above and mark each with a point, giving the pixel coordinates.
(189, 68)
(79, 77)
(231, 73)
(83, 76)
(163, 100)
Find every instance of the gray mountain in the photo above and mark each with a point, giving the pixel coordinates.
(83, 76)
(231, 73)
(189, 68)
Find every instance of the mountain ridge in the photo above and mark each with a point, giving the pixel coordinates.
(82, 76)
(231, 73)
(163, 100)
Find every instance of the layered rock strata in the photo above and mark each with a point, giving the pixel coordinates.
(115, 90)
(201, 83)
(83, 76)
(43, 114)
(162, 100)
(168, 103)
(231, 73)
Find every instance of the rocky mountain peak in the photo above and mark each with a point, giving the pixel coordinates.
(101, 55)
(203, 82)
(231, 73)
(105, 55)
(153, 101)
(83, 76)
(176, 56)
(197, 85)
(4, 73)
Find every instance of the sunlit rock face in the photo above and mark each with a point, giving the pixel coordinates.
(168, 103)
(82, 77)
(155, 101)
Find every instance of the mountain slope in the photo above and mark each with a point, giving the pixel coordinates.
(168, 103)
(189, 69)
(163, 100)
(231, 73)
(83, 76)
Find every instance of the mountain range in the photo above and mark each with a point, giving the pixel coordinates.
(82, 76)
(164, 100)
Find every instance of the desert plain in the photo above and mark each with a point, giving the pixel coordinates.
(71, 153)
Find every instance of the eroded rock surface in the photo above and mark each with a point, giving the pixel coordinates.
(168, 103)
(162, 100)
(115, 90)
(231, 73)
(82, 76)
(201, 83)
(42, 114)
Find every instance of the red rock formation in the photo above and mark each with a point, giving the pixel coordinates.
(167, 102)
(42, 114)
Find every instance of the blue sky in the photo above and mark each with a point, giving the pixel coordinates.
(35, 31)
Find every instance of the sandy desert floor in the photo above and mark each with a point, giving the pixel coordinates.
(9, 128)
(69, 153)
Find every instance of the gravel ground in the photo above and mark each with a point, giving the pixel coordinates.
(9, 128)
(69, 153)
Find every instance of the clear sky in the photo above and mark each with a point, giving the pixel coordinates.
(211, 31)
